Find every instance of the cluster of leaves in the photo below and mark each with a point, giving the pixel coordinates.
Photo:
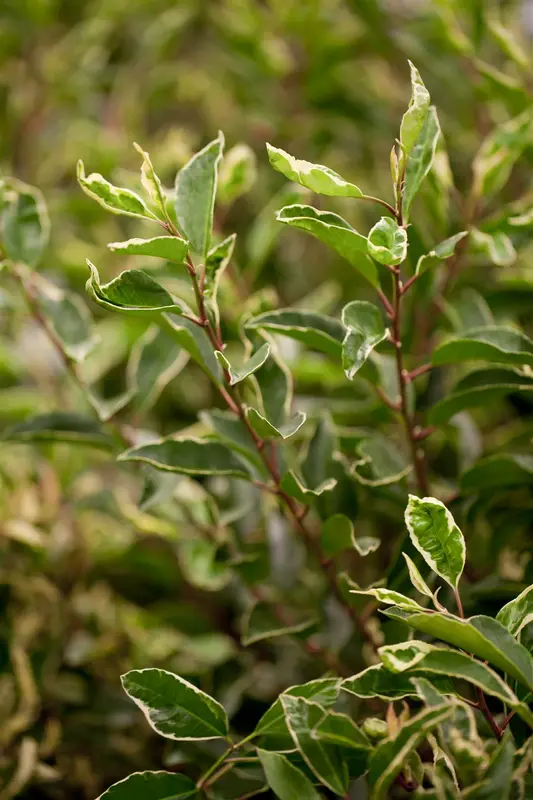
(266, 513)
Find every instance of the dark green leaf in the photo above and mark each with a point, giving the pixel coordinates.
(60, 426)
(340, 730)
(155, 360)
(380, 462)
(196, 342)
(315, 330)
(189, 457)
(499, 471)
(175, 708)
(261, 623)
(151, 786)
(436, 536)
(286, 781)
(376, 681)
(133, 291)
(323, 691)
(196, 186)
(334, 232)
(336, 535)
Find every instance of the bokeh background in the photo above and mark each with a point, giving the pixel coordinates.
(89, 585)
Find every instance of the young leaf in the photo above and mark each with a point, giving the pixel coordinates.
(334, 232)
(415, 116)
(196, 186)
(237, 173)
(436, 536)
(424, 659)
(387, 242)
(324, 760)
(420, 159)
(323, 691)
(286, 781)
(168, 247)
(316, 177)
(260, 623)
(24, 222)
(112, 198)
(266, 430)
(388, 758)
(155, 360)
(416, 578)
(495, 343)
(518, 613)
(481, 636)
(133, 291)
(150, 181)
(60, 426)
(376, 681)
(390, 597)
(315, 330)
(189, 456)
(151, 786)
(365, 331)
(498, 153)
(440, 252)
(175, 708)
(248, 368)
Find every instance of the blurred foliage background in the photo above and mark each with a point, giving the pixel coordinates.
(89, 585)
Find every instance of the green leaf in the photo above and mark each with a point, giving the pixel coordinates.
(340, 730)
(150, 181)
(380, 462)
(518, 613)
(69, 317)
(499, 152)
(388, 758)
(315, 330)
(195, 341)
(155, 360)
(112, 198)
(387, 242)
(365, 331)
(196, 186)
(497, 247)
(498, 471)
(248, 368)
(316, 177)
(416, 578)
(175, 708)
(334, 232)
(24, 222)
(274, 381)
(415, 117)
(266, 430)
(479, 388)
(421, 658)
(324, 760)
(376, 681)
(189, 456)
(440, 252)
(216, 262)
(420, 159)
(237, 173)
(59, 426)
(390, 597)
(151, 786)
(261, 623)
(286, 781)
(497, 776)
(323, 691)
(481, 636)
(293, 486)
(336, 535)
(133, 291)
(168, 247)
(198, 562)
(235, 434)
(435, 535)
